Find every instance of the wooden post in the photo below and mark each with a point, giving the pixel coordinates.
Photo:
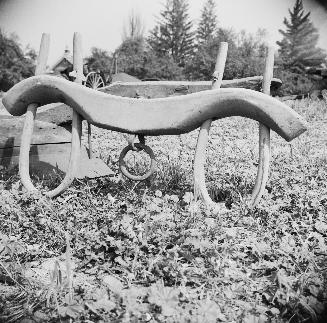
(264, 136)
(89, 139)
(76, 124)
(200, 190)
(43, 54)
(78, 68)
(77, 119)
(116, 63)
(30, 117)
(78, 57)
(25, 145)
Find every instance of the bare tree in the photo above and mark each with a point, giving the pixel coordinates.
(134, 27)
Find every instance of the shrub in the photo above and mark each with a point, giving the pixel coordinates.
(294, 83)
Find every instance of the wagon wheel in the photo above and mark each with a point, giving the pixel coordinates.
(94, 80)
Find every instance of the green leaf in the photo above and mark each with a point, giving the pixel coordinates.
(104, 303)
(113, 284)
(188, 197)
(165, 297)
(209, 311)
(74, 310)
(321, 227)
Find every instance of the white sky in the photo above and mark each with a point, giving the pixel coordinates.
(101, 21)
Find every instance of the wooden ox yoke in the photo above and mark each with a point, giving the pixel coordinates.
(164, 116)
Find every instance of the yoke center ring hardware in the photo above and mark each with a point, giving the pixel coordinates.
(131, 141)
(123, 167)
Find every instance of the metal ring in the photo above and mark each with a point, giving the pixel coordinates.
(123, 167)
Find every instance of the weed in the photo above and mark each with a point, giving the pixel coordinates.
(120, 252)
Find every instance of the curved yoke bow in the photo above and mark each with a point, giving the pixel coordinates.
(164, 116)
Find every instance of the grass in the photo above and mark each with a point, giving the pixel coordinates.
(112, 250)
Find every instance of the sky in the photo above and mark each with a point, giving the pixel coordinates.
(101, 22)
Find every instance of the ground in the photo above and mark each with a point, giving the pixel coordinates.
(112, 250)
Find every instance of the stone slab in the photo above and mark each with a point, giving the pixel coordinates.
(49, 158)
(44, 132)
(50, 149)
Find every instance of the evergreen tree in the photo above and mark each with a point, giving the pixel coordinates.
(173, 35)
(298, 48)
(322, 3)
(246, 53)
(208, 22)
(203, 63)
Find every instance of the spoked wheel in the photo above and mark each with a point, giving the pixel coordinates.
(94, 81)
